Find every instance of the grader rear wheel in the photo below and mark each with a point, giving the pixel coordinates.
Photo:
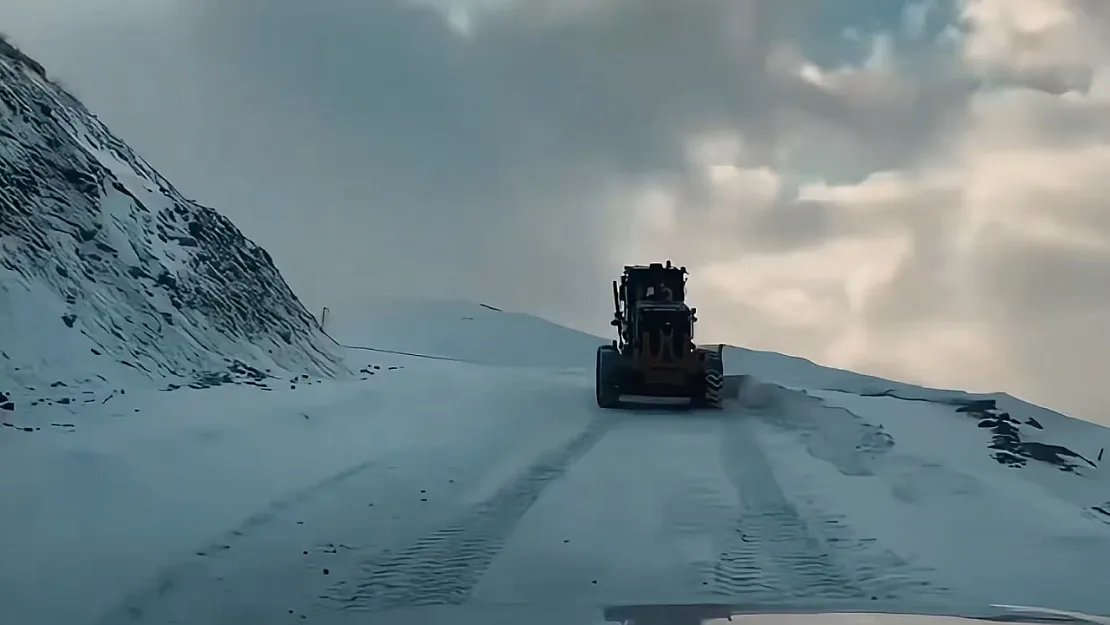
(714, 384)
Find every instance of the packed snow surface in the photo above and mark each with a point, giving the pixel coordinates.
(432, 482)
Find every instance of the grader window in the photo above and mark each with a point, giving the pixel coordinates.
(640, 281)
(675, 281)
(676, 321)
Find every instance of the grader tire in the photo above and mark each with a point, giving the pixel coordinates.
(608, 396)
(713, 393)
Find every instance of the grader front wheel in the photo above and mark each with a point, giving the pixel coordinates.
(608, 396)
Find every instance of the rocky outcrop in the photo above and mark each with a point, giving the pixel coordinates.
(95, 243)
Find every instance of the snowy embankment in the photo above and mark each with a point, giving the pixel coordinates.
(1004, 497)
(465, 332)
(435, 482)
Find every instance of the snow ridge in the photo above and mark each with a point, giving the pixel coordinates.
(101, 255)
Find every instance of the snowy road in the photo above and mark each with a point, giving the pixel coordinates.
(428, 482)
(545, 500)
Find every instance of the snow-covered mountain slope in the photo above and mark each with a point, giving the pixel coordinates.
(108, 273)
(465, 331)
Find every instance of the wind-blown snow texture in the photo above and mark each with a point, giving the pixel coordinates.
(466, 462)
(100, 256)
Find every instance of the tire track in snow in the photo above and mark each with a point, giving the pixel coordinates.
(444, 566)
(777, 553)
(135, 608)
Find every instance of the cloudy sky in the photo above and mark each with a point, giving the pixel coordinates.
(919, 189)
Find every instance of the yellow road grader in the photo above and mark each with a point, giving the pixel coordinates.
(654, 354)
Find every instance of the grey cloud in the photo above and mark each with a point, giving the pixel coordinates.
(368, 143)
(873, 122)
(795, 224)
(1051, 304)
(931, 219)
(455, 148)
(1040, 282)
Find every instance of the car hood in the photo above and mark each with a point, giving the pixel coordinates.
(713, 614)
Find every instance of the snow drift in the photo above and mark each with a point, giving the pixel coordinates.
(463, 331)
(107, 271)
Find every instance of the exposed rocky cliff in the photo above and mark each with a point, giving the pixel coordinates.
(104, 264)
